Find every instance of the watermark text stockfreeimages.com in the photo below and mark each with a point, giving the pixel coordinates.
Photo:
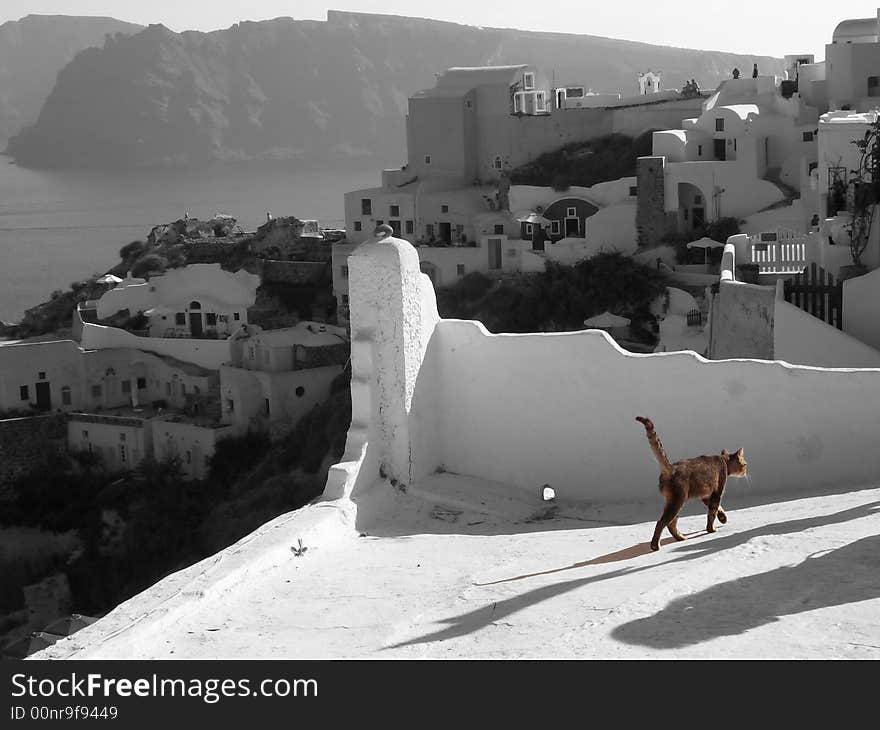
(96, 685)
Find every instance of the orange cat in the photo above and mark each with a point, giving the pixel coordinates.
(702, 477)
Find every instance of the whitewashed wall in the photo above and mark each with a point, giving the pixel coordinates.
(560, 408)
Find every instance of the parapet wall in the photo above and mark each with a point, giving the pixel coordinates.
(559, 409)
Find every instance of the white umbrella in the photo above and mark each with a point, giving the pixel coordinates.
(606, 319)
(532, 217)
(706, 243)
(109, 279)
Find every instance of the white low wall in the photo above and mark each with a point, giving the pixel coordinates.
(559, 409)
(573, 427)
(207, 353)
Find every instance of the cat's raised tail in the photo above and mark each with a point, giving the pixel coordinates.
(656, 446)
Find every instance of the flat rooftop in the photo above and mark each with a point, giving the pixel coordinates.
(462, 568)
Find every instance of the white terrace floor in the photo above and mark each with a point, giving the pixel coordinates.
(436, 573)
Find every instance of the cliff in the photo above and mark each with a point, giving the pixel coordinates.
(32, 52)
(312, 90)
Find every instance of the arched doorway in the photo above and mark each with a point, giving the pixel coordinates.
(195, 319)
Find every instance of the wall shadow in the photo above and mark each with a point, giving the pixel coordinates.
(831, 578)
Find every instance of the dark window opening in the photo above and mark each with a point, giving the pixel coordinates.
(24, 392)
(300, 391)
(141, 383)
(366, 206)
(394, 211)
(357, 225)
(180, 318)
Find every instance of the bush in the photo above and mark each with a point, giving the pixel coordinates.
(150, 264)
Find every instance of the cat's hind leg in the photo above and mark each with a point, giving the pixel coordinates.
(670, 512)
(673, 529)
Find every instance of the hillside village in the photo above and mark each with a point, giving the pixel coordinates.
(751, 203)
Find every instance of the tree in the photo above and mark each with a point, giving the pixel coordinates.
(865, 191)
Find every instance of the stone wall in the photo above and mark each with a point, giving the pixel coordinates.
(652, 221)
(26, 443)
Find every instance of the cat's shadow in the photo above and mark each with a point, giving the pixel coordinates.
(641, 631)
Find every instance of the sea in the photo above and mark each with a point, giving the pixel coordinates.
(61, 226)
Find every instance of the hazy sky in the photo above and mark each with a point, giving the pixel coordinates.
(764, 27)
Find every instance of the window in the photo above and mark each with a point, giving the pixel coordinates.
(344, 271)
(719, 124)
(65, 395)
(498, 163)
(769, 236)
(167, 388)
(571, 212)
(183, 388)
(529, 229)
(555, 228)
(357, 225)
(266, 405)
(409, 226)
(41, 375)
(511, 252)
(23, 393)
(122, 437)
(394, 210)
(444, 208)
(236, 316)
(195, 305)
(633, 190)
(85, 434)
(459, 269)
(345, 298)
(141, 383)
(429, 230)
(96, 391)
(427, 159)
(366, 206)
(300, 391)
(698, 200)
(760, 247)
(499, 229)
(808, 136)
(874, 86)
(699, 150)
(517, 103)
(180, 318)
(469, 104)
(126, 386)
(230, 405)
(211, 319)
(528, 81)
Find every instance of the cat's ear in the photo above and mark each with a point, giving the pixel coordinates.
(724, 453)
(738, 452)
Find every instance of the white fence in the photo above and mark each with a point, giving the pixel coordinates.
(781, 251)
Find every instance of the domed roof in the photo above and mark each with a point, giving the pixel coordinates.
(856, 28)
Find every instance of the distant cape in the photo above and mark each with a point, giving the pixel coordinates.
(317, 91)
(32, 52)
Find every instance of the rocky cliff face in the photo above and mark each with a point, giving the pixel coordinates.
(287, 89)
(33, 50)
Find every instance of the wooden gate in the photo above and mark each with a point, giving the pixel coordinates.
(816, 292)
